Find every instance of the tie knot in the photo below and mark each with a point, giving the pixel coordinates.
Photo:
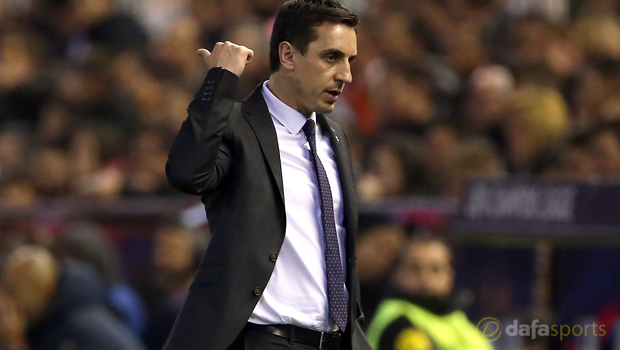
(309, 129)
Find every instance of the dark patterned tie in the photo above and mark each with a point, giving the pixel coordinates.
(335, 275)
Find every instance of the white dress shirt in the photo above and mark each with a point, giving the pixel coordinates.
(297, 290)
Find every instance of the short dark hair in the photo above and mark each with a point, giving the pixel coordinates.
(296, 21)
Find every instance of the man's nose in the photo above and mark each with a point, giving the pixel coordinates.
(344, 73)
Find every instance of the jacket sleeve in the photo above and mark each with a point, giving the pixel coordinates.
(200, 158)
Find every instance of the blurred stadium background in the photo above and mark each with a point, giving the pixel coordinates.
(492, 123)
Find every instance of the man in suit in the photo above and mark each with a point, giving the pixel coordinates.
(275, 177)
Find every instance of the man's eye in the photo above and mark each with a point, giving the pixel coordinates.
(330, 58)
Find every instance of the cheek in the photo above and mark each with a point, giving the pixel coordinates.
(317, 84)
(306, 83)
(317, 76)
(408, 279)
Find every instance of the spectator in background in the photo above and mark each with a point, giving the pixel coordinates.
(21, 63)
(12, 324)
(463, 49)
(77, 27)
(441, 140)
(598, 34)
(251, 33)
(575, 163)
(170, 50)
(395, 168)
(488, 103)
(15, 187)
(605, 151)
(97, 170)
(408, 98)
(540, 126)
(526, 42)
(157, 15)
(50, 171)
(87, 88)
(470, 158)
(176, 255)
(595, 94)
(145, 173)
(419, 312)
(60, 305)
(85, 242)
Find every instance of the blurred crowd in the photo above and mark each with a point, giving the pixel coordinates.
(72, 293)
(92, 91)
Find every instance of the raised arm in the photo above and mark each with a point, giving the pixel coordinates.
(200, 157)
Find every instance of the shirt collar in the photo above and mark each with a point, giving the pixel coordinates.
(292, 120)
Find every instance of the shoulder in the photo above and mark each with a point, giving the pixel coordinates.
(331, 123)
(88, 325)
(334, 127)
(401, 334)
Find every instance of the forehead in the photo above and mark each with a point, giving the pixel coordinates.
(335, 36)
(428, 251)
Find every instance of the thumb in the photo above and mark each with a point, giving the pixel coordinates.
(204, 53)
(249, 57)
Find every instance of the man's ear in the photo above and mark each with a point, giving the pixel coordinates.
(286, 52)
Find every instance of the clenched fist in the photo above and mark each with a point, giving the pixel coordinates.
(227, 55)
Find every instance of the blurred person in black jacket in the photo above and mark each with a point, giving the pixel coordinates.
(86, 242)
(60, 305)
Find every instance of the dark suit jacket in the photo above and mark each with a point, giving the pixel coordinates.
(227, 152)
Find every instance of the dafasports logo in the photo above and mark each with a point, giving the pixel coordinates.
(491, 329)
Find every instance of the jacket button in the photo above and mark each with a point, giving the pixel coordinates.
(257, 291)
(273, 257)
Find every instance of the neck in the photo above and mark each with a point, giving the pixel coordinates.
(283, 87)
(440, 305)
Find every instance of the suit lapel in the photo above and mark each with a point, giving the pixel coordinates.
(257, 114)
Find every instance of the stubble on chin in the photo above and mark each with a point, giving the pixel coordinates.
(325, 107)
